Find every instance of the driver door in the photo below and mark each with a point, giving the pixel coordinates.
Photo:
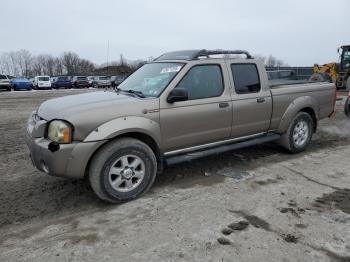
(205, 117)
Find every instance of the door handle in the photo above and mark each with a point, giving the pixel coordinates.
(223, 105)
(260, 100)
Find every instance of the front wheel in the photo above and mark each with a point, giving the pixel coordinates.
(299, 133)
(122, 170)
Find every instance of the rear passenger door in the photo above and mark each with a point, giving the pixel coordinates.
(252, 103)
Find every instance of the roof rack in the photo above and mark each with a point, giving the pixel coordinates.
(225, 52)
(195, 54)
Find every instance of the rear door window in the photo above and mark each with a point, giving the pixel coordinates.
(246, 78)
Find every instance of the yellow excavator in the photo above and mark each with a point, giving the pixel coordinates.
(338, 73)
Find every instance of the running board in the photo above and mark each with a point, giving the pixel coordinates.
(220, 149)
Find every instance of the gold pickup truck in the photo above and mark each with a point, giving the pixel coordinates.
(183, 105)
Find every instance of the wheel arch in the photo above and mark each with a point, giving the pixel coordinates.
(305, 104)
(143, 137)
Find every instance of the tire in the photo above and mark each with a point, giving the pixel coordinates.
(14, 88)
(320, 77)
(347, 107)
(347, 87)
(303, 125)
(120, 156)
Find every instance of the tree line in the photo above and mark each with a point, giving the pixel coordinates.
(22, 63)
(270, 61)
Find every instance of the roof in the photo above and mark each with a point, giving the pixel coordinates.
(195, 54)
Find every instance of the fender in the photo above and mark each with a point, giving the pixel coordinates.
(125, 125)
(293, 108)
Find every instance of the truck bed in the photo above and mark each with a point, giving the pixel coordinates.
(277, 83)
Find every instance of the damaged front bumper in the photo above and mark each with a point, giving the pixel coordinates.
(70, 160)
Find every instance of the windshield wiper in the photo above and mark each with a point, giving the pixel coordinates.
(138, 93)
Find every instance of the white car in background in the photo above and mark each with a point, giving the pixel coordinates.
(5, 82)
(41, 82)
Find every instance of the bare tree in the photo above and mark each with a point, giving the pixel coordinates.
(271, 61)
(58, 65)
(70, 62)
(260, 58)
(23, 60)
(5, 64)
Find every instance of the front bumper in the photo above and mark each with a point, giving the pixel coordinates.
(70, 160)
(44, 86)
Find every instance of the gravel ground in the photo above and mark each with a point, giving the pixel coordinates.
(254, 204)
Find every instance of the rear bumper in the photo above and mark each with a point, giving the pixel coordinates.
(61, 85)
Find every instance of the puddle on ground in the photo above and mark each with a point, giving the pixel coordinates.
(339, 199)
(236, 174)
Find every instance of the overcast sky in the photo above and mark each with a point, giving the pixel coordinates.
(300, 32)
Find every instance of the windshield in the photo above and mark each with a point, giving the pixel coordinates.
(3, 77)
(103, 78)
(151, 79)
(43, 78)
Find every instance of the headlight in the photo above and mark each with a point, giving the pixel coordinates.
(60, 132)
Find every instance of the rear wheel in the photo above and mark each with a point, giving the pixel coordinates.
(299, 133)
(122, 170)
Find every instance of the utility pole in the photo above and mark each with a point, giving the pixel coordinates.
(107, 57)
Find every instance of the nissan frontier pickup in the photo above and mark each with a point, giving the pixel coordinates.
(181, 106)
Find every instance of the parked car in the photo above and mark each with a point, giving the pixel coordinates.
(117, 80)
(80, 82)
(5, 82)
(41, 82)
(121, 139)
(21, 84)
(102, 81)
(61, 82)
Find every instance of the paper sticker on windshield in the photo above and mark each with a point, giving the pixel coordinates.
(170, 69)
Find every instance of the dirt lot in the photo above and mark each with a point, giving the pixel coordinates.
(255, 204)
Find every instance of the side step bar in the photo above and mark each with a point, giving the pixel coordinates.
(220, 149)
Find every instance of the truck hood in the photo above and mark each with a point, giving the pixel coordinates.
(88, 111)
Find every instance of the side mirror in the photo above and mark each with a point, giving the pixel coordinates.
(177, 95)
